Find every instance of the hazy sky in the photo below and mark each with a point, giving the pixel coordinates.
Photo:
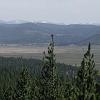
(57, 11)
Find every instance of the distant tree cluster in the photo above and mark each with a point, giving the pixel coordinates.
(49, 81)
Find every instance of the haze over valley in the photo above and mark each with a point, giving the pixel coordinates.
(39, 33)
(29, 40)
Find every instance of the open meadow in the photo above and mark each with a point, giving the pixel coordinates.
(64, 54)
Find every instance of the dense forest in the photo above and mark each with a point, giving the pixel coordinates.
(31, 79)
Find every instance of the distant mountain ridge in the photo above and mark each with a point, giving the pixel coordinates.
(28, 33)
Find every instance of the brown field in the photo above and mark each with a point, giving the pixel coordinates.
(64, 54)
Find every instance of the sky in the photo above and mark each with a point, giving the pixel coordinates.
(53, 11)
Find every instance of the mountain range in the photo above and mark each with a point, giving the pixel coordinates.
(39, 33)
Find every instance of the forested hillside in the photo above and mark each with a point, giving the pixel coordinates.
(30, 79)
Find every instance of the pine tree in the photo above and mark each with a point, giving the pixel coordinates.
(48, 89)
(86, 77)
(23, 87)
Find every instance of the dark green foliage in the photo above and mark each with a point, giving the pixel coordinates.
(70, 90)
(10, 69)
(86, 77)
(98, 91)
(23, 86)
(35, 88)
(8, 94)
(48, 89)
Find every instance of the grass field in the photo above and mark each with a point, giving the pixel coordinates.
(64, 54)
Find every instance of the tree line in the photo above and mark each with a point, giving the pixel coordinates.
(48, 83)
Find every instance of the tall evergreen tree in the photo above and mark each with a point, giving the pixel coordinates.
(86, 77)
(48, 89)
